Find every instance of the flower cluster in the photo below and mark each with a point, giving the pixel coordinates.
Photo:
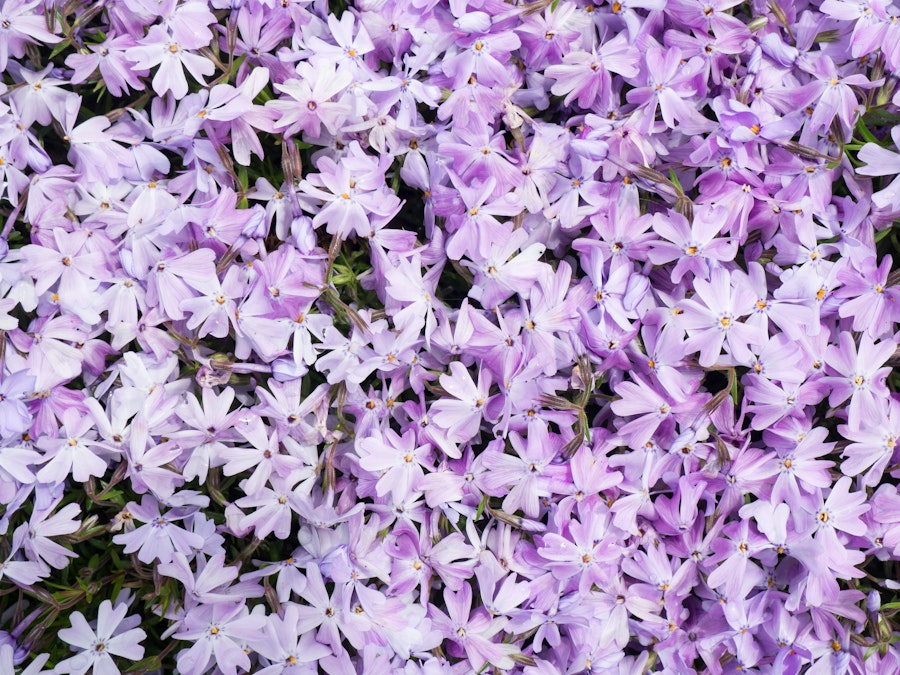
(423, 337)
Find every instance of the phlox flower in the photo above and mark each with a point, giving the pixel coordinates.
(207, 427)
(289, 651)
(68, 261)
(41, 98)
(654, 408)
(14, 416)
(874, 445)
(147, 466)
(872, 302)
(475, 220)
(396, 460)
(407, 284)
(218, 632)
(800, 474)
(841, 512)
(9, 657)
(264, 456)
(462, 415)
(835, 98)
(717, 322)
(20, 25)
(860, 376)
(731, 565)
(313, 98)
(547, 37)
(72, 453)
(484, 55)
(472, 630)
(212, 581)
(42, 526)
(587, 76)
(882, 162)
(274, 505)
(870, 21)
(524, 478)
(175, 277)
(110, 56)
(114, 635)
(671, 82)
(159, 538)
(350, 50)
(92, 149)
(21, 572)
(586, 550)
(160, 48)
(693, 245)
(550, 314)
(16, 472)
(416, 559)
(770, 402)
(356, 197)
(215, 312)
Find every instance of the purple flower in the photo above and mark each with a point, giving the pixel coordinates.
(716, 322)
(114, 634)
(462, 415)
(396, 460)
(692, 245)
(311, 105)
(290, 651)
(587, 76)
(217, 631)
(161, 48)
(159, 538)
(473, 630)
(860, 376)
(20, 24)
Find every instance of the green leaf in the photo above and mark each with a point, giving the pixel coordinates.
(883, 235)
(480, 509)
(59, 48)
(675, 181)
(864, 132)
(150, 663)
(881, 118)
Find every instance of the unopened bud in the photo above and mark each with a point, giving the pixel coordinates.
(757, 24)
(873, 601)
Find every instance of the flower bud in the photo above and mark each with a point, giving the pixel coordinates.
(873, 601)
(757, 24)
